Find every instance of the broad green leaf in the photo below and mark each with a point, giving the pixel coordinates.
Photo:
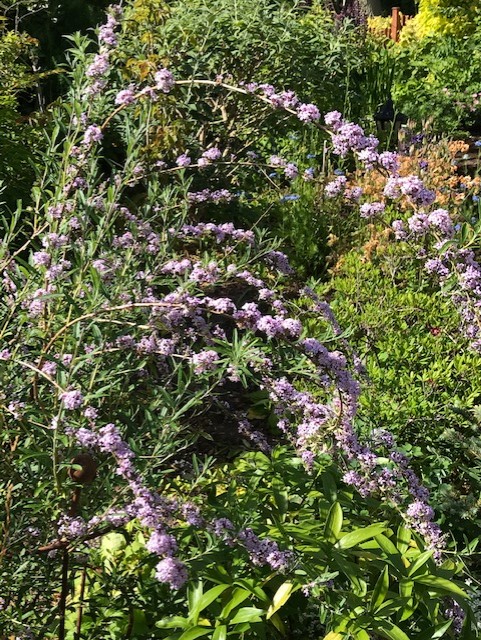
(405, 588)
(392, 552)
(195, 632)
(333, 635)
(440, 584)
(281, 596)
(220, 633)
(386, 545)
(389, 630)
(280, 494)
(238, 596)
(435, 632)
(380, 590)
(211, 595)
(194, 594)
(419, 562)
(403, 538)
(333, 522)
(251, 585)
(408, 610)
(276, 620)
(247, 614)
(354, 538)
(173, 622)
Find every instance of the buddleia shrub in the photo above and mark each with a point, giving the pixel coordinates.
(129, 332)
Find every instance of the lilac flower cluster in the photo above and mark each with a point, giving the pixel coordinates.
(335, 187)
(220, 233)
(208, 195)
(306, 112)
(151, 509)
(372, 209)
(164, 80)
(205, 361)
(349, 137)
(265, 551)
(411, 186)
(456, 613)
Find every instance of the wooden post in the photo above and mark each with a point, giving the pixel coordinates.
(395, 24)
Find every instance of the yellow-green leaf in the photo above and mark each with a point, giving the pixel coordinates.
(390, 631)
(333, 522)
(280, 598)
(419, 562)
(354, 538)
(247, 614)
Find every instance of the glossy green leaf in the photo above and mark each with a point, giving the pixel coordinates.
(172, 622)
(247, 614)
(211, 595)
(380, 590)
(389, 630)
(403, 538)
(442, 585)
(333, 523)
(354, 538)
(281, 596)
(435, 632)
(195, 632)
(220, 633)
(419, 562)
(238, 596)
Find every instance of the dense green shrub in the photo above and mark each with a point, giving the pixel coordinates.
(438, 78)
(20, 137)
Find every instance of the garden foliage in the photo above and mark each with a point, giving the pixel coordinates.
(183, 424)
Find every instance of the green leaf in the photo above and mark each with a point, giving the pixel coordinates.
(247, 614)
(281, 596)
(440, 584)
(354, 538)
(435, 632)
(408, 609)
(380, 590)
(220, 633)
(405, 588)
(392, 552)
(280, 494)
(238, 596)
(173, 622)
(389, 630)
(195, 632)
(403, 538)
(211, 595)
(386, 545)
(333, 522)
(419, 562)
(194, 595)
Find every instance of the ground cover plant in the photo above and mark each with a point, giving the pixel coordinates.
(186, 448)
